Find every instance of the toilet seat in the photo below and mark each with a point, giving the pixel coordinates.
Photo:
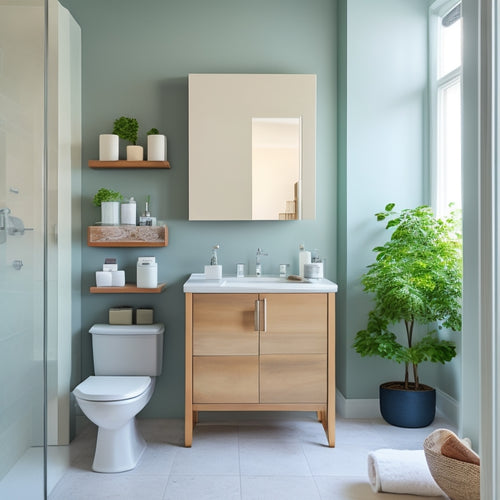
(111, 388)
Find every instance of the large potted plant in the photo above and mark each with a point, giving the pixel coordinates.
(127, 129)
(416, 281)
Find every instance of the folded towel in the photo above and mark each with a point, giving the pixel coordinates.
(450, 445)
(401, 471)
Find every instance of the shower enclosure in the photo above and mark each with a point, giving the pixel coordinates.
(39, 241)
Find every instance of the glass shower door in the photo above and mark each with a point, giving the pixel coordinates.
(22, 249)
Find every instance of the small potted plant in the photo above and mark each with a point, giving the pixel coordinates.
(109, 201)
(416, 279)
(127, 129)
(157, 145)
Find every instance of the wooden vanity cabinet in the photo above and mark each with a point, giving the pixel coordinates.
(260, 352)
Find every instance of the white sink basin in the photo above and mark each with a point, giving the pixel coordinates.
(256, 284)
(253, 280)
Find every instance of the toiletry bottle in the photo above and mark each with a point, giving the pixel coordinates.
(213, 258)
(304, 258)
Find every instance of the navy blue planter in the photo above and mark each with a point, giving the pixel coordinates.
(407, 408)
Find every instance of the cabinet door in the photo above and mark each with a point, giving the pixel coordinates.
(224, 324)
(225, 349)
(296, 323)
(293, 347)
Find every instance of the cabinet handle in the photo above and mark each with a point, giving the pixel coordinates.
(257, 316)
(264, 303)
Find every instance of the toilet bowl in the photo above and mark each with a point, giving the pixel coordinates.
(112, 402)
(126, 361)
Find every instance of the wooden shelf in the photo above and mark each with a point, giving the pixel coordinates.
(127, 236)
(128, 164)
(128, 288)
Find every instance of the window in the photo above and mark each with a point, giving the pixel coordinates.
(446, 108)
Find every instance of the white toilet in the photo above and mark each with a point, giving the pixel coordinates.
(126, 360)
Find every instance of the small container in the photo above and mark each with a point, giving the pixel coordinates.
(314, 270)
(283, 270)
(120, 316)
(128, 212)
(103, 278)
(117, 278)
(144, 316)
(240, 270)
(147, 272)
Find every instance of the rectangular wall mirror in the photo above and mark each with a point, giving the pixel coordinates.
(252, 146)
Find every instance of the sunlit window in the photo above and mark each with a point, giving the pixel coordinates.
(446, 86)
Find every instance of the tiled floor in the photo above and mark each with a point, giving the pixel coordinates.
(243, 456)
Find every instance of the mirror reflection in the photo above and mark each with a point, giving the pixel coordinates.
(276, 166)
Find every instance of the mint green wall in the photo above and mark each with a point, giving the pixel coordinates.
(136, 58)
(382, 158)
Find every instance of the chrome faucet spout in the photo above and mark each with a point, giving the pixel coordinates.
(258, 264)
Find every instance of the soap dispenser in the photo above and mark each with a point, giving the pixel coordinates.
(304, 258)
(214, 270)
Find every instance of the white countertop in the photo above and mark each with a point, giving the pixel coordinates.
(197, 283)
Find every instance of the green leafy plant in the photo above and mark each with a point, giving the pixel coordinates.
(153, 131)
(127, 129)
(416, 279)
(106, 195)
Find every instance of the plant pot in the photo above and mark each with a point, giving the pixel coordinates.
(110, 213)
(135, 153)
(108, 147)
(407, 408)
(157, 147)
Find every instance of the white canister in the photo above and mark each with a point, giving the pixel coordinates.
(157, 147)
(147, 272)
(110, 213)
(128, 212)
(313, 270)
(117, 278)
(108, 147)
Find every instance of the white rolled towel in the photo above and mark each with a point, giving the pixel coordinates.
(401, 471)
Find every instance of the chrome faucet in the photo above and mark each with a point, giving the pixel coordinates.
(258, 264)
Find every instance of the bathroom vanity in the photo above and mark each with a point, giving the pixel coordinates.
(260, 344)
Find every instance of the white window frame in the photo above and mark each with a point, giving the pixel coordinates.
(437, 10)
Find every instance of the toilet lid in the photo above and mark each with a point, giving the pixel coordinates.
(111, 388)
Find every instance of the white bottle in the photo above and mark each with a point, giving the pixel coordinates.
(304, 258)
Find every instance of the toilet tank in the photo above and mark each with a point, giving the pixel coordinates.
(127, 349)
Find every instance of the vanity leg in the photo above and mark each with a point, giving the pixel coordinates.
(188, 429)
(329, 425)
(195, 418)
(320, 416)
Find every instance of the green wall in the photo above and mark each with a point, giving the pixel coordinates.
(382, 158)
(371, 64)
(136, 58)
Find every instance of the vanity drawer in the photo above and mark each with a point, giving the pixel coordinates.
(293, 378)
(225, 379)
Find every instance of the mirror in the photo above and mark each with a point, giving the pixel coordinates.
(252, 147)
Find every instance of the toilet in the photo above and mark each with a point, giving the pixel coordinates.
(127, 358)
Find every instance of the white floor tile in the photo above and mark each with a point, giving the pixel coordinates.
(272, 458)
(203, 488)
(243, 456)
(278, 487)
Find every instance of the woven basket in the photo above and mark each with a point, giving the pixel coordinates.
(459, 480)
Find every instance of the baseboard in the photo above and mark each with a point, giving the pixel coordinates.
(369, 408)
(356, 408)
(447, 406)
